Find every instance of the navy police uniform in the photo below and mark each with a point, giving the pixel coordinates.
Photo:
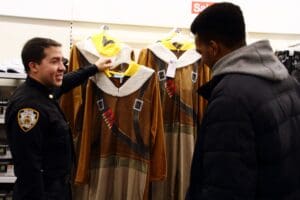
(40, 140)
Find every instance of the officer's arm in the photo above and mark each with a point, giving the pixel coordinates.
(25, 134)
(76, 78)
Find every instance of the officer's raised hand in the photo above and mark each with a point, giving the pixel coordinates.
(103, 63)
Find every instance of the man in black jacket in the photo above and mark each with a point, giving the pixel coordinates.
(248, 145)
(37, 131)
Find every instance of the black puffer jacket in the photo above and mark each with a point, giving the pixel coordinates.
(248, 146)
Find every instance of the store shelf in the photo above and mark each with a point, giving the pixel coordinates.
(7, 179)
(6, 154)
(12, 75)
(8, 83)
(11, 79)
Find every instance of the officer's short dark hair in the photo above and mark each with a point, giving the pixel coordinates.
(33, 50)
(222, 22)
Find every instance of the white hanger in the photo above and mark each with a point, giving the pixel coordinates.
(104, 27)
(176, 35)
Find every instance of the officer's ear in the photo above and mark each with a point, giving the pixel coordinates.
(33, 66)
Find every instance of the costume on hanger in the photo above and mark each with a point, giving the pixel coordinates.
(122, 147)
(180, 74)
(83, 53)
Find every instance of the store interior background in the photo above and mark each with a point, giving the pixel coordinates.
(278, 24)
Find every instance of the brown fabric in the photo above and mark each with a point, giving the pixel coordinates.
(99, 143)
(180, 128)
(204, 74)
(71, 102)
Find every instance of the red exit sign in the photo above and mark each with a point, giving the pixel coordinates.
(199, 6)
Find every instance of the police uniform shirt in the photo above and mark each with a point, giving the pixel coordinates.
(39, 136)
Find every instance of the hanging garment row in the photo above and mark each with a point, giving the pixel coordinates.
(135, 125)
(291, 60)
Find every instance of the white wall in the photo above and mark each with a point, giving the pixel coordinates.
(15, 31)
(258, 14)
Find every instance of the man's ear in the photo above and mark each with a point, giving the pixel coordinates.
(32, 66)
(215, 47)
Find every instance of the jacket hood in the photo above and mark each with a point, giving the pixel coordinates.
(256, 59)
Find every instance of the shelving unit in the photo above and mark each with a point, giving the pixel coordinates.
(11, 79)
(8, 83)
(5, 75)
(7, 179)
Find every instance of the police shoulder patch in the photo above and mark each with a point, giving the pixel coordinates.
(27, 118)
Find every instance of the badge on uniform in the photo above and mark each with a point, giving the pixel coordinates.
(27, 118)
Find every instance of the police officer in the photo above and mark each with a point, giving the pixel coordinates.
(37, 131)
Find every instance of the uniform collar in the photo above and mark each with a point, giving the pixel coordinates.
(49, 92)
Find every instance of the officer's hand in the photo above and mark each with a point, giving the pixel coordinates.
(103, 63)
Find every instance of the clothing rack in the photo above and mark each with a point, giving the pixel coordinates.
(290, 58)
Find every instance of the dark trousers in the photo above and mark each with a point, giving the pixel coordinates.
(58, 189)
(54, 189)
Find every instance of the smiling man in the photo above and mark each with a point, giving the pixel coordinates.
(37, 131)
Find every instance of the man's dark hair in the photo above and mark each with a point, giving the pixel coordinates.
(222, 22)
(33, 50)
